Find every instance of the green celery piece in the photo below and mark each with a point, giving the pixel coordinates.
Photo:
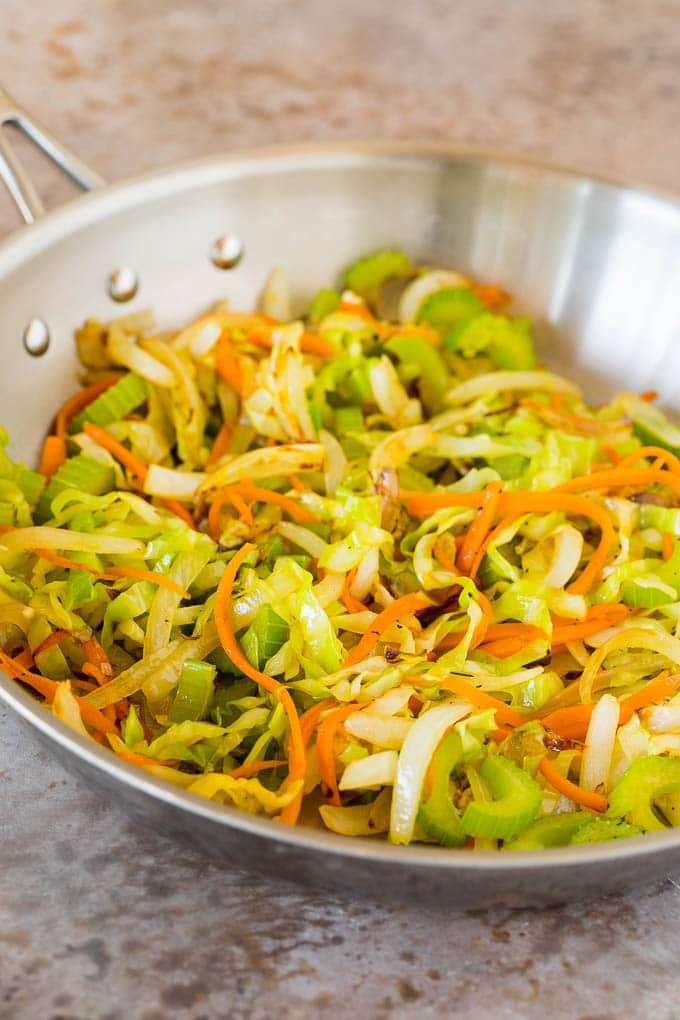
(277, 548)
(534, 693)
(450, 306)
(52, 662)
(640, 786)
(367, 274)
(438, 817)
(433, 373)
(599, 830)
(263, 638)
(663, 518)
(194, 692)
(651, 425)
(133, 732)
(517, 800)
(553, 830)
(31, 484)
(119, 400)
(80, 472)
(642, 593)
(6, 513)
(322, 304)
(507, 341)
(348, 419)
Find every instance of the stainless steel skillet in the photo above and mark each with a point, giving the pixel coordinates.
(597, 263)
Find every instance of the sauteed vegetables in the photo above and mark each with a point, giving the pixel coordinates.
(371, 566)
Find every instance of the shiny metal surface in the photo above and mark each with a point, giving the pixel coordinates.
(598, 266)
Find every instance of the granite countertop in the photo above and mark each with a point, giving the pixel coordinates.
(103, 919)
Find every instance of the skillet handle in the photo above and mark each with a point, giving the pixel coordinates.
(13, 174)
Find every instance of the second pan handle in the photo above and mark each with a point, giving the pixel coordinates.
(14, 175)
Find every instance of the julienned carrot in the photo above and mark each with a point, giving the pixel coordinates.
(504, 714)
(519, 502)
(310, 719)
(243, 509)
(48, 688)
(587, 798)
(571, 723)
(180, 510)
(253, 492)
(80, 400)
(667, 545)
(136, 466)
(351, 604)
(671, 461)
(504, 648)
(618, 476)
(144, 760)
(570, 422)
(243, 771)
(145, 575)
(482, 628)
(324, 747)
(64, 561)
(259, 328)
(297, 754)
(490, 295)
(442, 556)
(479, 528)
(55, 638)
(228, 366)
(497, 632)
(389, 615)
(220, 445)
(53, 455)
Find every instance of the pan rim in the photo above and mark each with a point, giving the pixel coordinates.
(24, 243)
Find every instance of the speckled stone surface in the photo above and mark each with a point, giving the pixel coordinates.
(102, 918)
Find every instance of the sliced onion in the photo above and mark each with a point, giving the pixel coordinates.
(367, 574)
(375, 770)
(336, 462)
(171, 484)
(421, 288)
(662, 718)
(384, 732)
(393, 702)
(414, 759)
(303, 537)
(390, 395)
(73, 541)
(360, 819)
(264, 463)
(66, 708)
(275, 299)
(632, 637)
(125, 352)
(599, 747)
(566, 557)
(494, 382)
(399, 446)
(329, 589)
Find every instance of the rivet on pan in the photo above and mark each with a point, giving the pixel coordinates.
(36, 337)
(227, 251)
(123, 284)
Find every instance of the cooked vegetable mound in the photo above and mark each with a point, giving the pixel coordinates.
(372, 568)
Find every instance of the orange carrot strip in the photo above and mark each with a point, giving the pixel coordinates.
(481, 699)
(503, 649)
(53, 455)
(618, 476)
(652, 693)
(48, 688)
(146, 575)
(482, 628)
(299, 513)
(400, 607)
(227, 365)
(80, 400)
(658, 452)
(479, 528)
(143, 759)
(443, 558)
(310, 343)
(136, 466)
(242, 508)
(324, 747)
(587, 798)
(497, 632)
(219, 447)
(649, 395)
(55, 638)
(309, 719)
(65, 562)
(299, 486)
(667, 545)
(490, 295)
(571, 723)
(351, 604)
(297, 754)
(243, 771)
(179, 510)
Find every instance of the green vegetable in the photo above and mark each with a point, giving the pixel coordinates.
(194, 692)
(640, 787)
(82, 473)
(507, 341)
(133, 731)
(517, 800)
(438, 817)
(348, 419)
(651, 425)
(599, 830)
(662, 518)
(115, 403)
(647, 592)
(510, 467)
(446, 308)
(366, 275)
(431, 368)
(80, 589)
(534, 693)
(266, 634)
(553, 830)
(322, 304)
